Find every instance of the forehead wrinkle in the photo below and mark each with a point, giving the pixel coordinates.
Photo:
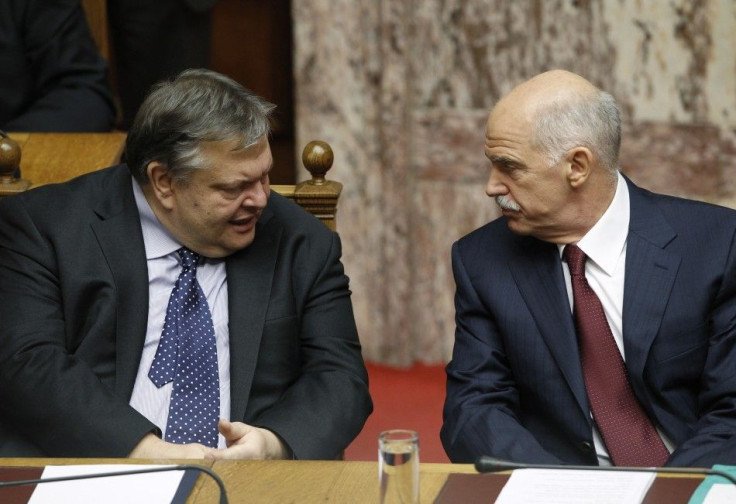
(508, 145)
(507, 130)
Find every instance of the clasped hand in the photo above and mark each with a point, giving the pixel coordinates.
(244, 442)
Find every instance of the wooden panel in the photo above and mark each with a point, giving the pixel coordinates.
(96, 12)
(252, 43)
(55, 157)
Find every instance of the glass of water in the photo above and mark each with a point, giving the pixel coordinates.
(398, 466)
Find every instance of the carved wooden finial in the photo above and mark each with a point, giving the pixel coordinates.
(317, 158)
(9, 162)
(9, 157)
(319, 196)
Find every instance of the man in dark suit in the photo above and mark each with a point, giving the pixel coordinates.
(549, 345)
(89, 276)
(52, 77)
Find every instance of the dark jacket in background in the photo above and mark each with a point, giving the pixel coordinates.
(52, 77)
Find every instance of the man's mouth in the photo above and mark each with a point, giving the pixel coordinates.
(244, 223)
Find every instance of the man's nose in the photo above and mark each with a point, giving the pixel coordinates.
(495, 187)
(258, 197)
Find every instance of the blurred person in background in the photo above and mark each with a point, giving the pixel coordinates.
(52, 76)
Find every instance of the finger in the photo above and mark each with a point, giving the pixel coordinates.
(207, 452)
(233, 431)
(224, 425)
(189, 451)
(244, 451)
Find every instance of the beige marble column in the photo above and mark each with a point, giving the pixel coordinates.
(401, 90)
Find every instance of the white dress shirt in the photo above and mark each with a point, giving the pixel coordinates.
(163, 271)
(605, 246)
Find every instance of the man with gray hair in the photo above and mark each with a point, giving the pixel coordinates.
(596, 321)
(183, 311)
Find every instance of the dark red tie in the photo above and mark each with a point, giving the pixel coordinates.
(629, 435)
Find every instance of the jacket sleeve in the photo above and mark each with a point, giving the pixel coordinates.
(713, 438)
(482, 404)
(325, 407)
(48, 394)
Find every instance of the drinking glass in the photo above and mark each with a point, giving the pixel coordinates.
(398, 466)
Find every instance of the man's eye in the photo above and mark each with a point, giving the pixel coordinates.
(504, 167)
(231, 192)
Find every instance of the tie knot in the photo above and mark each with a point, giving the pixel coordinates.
(575, 259)
(189, 259)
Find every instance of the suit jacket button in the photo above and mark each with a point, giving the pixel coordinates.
(586, 446)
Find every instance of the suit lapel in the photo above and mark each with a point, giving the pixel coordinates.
(249, 277)
(538, 274)
(650, 275)
(119, 235)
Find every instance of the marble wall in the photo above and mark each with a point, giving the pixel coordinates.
(401, 90)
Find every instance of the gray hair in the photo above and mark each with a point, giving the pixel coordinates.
(591, 121)
(196, 106)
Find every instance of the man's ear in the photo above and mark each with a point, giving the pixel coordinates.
(579, 165)
(161, 183)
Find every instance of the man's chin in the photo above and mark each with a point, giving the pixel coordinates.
(516, 226)
(230, 246)
(241, 241)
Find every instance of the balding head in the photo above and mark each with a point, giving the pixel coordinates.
(549, 85)
(543, 89)
(563, 111)
(553, 146)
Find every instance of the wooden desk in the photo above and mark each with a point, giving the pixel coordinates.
(355, 482)
(279, 481)
(39, 463)
(313, 482)
(49, 157)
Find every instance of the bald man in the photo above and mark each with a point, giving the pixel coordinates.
(596, 321)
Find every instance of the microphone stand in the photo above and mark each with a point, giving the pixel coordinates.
(485, 464)
(183, 467)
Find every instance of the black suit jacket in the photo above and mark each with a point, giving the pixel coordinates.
(74, 291)
(52, 77)
(515, 388)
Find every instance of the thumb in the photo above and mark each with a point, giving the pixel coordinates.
(232, 431)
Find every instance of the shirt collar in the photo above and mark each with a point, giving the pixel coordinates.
(605, 241)
(156, 238)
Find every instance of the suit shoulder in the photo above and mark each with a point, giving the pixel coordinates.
(76, 192)
(495, 233)
(63, 209)
(693, 213)
(686, 204)
(492, 242)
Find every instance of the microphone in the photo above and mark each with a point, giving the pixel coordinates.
(485, 464)
(182, 467)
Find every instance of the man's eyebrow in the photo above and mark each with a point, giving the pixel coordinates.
(502, 160)
(227, 184)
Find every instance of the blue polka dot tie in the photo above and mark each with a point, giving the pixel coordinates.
(627, 431)
(187, 355)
